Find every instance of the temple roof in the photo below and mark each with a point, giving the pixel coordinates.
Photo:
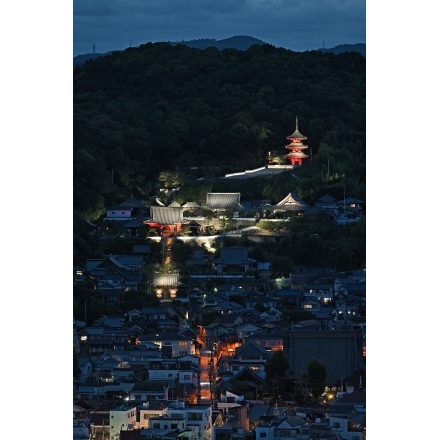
(167, 215)
(296, 134)
(174, 204)
(291, 203)
(166, 279)
(223, 200)
(299, 154)
(132, 202)
(190, 205)
(234, 255)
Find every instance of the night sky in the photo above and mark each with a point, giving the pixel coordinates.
(298, 25)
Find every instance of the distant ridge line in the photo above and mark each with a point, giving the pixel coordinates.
(239, 42)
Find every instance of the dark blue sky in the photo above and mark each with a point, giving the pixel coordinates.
(294, 24)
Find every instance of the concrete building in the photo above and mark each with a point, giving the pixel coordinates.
(340, 351)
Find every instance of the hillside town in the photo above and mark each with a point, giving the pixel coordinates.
(194, 366)
(227, 349)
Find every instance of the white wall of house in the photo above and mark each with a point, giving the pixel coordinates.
(120, 418)
(117, 214)
(145, 414)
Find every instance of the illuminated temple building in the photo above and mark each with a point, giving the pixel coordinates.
(296, 147)
(167, 220)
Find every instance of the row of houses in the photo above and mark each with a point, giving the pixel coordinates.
(232, 418)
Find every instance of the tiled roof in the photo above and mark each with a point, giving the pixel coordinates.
(166, 337)
(326, 199)
(190, 205)
(291, 203)
(132, 224)
(296, 135)
(132, 202)
(166, 279)
(222, 200)
(174, 204)
(234, 255)
(250, 348)
(167, 215)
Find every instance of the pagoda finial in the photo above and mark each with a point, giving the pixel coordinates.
(297, 123)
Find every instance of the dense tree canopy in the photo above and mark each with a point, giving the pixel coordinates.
(142, 109)
(162, 113)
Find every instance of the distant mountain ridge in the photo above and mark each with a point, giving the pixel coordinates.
(240, 42)
(360, 47)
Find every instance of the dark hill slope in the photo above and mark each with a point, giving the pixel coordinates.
(157, 107)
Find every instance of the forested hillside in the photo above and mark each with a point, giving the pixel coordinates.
(153, 108)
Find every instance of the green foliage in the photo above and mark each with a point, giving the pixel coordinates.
(316, 375)
(276, 366)
(159, 107)
(138, 111)
(269, 226)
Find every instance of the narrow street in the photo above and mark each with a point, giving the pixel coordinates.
(207, 373)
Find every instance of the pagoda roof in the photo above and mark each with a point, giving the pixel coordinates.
(296, 134)
(166, 215)
(297, 154)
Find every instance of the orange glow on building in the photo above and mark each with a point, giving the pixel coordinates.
(296, 147)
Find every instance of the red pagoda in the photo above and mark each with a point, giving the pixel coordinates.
(296, 147)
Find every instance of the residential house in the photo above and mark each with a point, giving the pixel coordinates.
(287, 296)
(347, 414)
(149, 391)
(98, 340)
(271, 341)
(122, 418)
(311, 305)
(250, 355)
(234, 410)
(81, 423)
(154, 314)
(150, 410)
(271, 315)
(324, 293)
(234, 260)
(85, 367)
(179, 344)
(184, 372)
(100, 424)
(245, 330)
(196, 415)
